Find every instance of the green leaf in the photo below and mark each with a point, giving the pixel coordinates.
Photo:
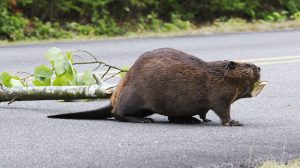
(70, 78)
(65, 79)
(57, 59)
(43, 71)
(59, 67)
(60, 62)
(88, 78)
(46, 82)
(69, 55)
(79, 80)
(54, 54)
(124, 68)
(69, 74)
(70, 69)
(5, 79)
(10, 81)
(42, 75)
(61, 81)
(16, 82)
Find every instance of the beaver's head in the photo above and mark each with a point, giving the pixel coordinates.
(242, 71)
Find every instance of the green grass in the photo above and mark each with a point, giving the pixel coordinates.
(230, 26)
(293, 164)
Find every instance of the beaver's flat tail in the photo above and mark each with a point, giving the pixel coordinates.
(101, 113)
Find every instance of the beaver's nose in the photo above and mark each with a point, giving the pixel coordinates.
(258, 68)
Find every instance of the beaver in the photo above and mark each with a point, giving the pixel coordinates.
(173, 83)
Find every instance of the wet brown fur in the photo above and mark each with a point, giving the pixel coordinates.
(178, 85)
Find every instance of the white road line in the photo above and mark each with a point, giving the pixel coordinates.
(273, 60)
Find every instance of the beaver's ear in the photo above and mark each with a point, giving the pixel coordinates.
(231, 65)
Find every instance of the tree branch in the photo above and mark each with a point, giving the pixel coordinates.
(101, 63)
(102, 91)
(96, 62)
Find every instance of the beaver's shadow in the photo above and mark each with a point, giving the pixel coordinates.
(93, 116)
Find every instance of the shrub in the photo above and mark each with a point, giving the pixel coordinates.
(12, 26)
(296, 16)
(58, 19)
(276, 16)
(80, 29)
(47, 30)
(106, 26)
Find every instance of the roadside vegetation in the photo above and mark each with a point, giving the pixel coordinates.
(269, 164)
(38, 20)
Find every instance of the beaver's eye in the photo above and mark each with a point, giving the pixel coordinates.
(248, 66)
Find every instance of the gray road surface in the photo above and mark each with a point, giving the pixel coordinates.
(272, 120)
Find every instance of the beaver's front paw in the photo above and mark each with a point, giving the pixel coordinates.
(233, 123)
(148, 120)
(206, 120)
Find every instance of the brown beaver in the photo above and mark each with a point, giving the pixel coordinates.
(178, 85)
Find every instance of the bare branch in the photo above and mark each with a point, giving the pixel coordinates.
(96, 60)
(78, 56)
(91, 55)
(97, 67)
(24, 79)
(24, 73)
(112, 76)
(97, 78)
(105, 72)
(13, 100)
(99, 62)
(29, 75)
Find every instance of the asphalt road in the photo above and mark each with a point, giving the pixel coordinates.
(272, 120)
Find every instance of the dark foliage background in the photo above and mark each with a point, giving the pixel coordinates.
(21, 19)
